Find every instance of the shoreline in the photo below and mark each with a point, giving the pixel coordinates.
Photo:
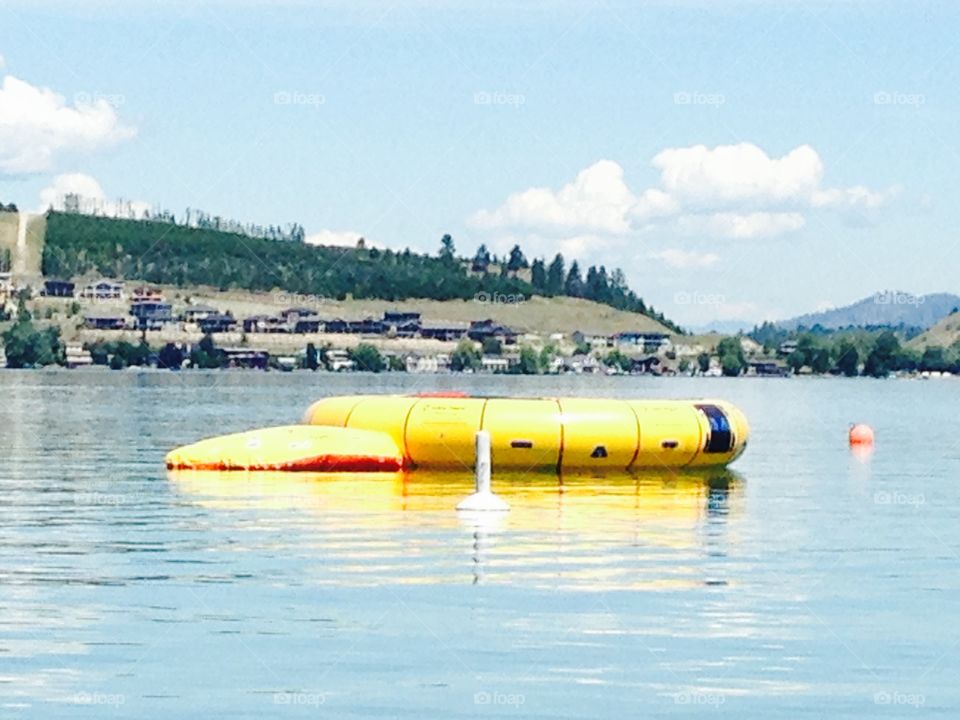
(155, 370)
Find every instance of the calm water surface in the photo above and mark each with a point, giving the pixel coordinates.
(809, 583)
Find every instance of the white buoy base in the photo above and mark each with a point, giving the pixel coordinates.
(483, 502)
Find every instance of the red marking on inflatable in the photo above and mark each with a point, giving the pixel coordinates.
(320, 463)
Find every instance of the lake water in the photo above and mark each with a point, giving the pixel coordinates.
(809, 583)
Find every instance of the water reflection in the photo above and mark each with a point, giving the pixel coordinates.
(589, 533)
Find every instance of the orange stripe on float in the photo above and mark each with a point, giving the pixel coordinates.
(322, 463)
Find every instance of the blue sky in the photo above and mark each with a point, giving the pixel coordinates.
(739, 160)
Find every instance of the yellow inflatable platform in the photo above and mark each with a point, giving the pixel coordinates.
(437, 431)
(386, 433)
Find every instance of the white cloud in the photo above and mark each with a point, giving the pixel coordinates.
(91, 197)
(730, 191)
(37, 127)
(337, 239)
(683, 259)
(653, 203)
(857, 196)
(740, 173)
(745, 226)
(598, 200)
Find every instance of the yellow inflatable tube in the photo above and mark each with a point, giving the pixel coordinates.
(545, 434)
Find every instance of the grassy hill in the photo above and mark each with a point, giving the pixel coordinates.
(169, 254)
(535, 315)
(8, 238)
(944, 334)
(25, 261)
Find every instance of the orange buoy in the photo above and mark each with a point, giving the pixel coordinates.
(861, 435)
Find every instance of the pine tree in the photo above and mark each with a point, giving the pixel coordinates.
(538, 276)
(574, 283)
(447, 248)
(517, 260)
(556, 275)
(481, 261)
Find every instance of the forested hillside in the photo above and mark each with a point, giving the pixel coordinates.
(167, 253)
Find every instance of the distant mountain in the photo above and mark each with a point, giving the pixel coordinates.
(724, 327)
(892, 308)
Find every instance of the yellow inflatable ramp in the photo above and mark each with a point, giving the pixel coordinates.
(307, 448)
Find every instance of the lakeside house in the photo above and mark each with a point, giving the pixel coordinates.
(291, 315)
(103, 289)
(336, 326)
(767, 368)
(265, 324)
(428, 364)
(196, 313)
(649, 342)
(104, 321)
(339, 360)
(591, 340)
(367, 326)
(787, 347)
(402, 324)
(145, 293)
(446, 332)
(582, 365)
(422, 364)
(481, 330)
(217, 323)
(495, 363)
(392, 324)
(305, 324)
(250, 358)
(58, 288)
(400, 317)
(75, 356)
(151, 314)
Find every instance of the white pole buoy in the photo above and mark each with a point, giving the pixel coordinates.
(483, 499)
